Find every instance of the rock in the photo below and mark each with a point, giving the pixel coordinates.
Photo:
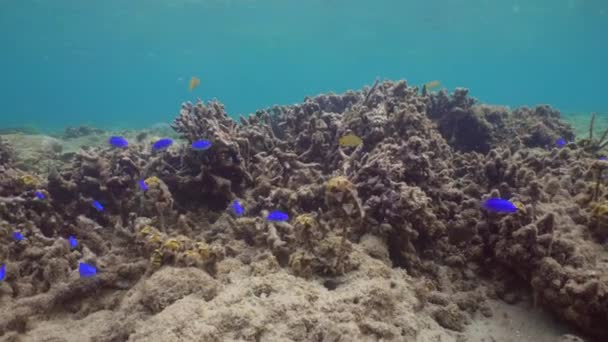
(169, 284)
(450, 317)
(569, 338)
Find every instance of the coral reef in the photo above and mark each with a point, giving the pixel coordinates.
(80, 131)
(470, 127)
(386, 241)
(6, 153)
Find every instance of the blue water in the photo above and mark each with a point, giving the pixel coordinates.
(127, 63)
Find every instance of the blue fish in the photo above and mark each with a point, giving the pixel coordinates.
(277, 215)
(237, 208)
(18, 236)
(2, 272)
(118, 141)
(73, 242)
(602, 158)
(86, 270)
(201, 145)
(499, 205)
(97, 206)
(39, 195)
(561, 142)
(143, 185)
(162, 144)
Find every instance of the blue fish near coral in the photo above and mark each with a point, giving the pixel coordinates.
(162, 144)
(86, 270)
(602, 158)
(118, 141)
(73, 242)
(201, 145)
(237, 208)
(18, 236)
(39, 195)
(561, 142)
(143, 185)
(97, 206)
(277, 216)
(2, 272)
(499, 205)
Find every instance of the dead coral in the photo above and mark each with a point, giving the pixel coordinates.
(409, 191)
(7, 154)
(80, 131)
(224, 164)
(162, 289)
(469, 127)
(592, 144)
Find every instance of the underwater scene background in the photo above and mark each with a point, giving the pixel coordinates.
(313, 170)
(126, 64)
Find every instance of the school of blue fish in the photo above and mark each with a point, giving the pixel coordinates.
(496, 205)
(87, 270)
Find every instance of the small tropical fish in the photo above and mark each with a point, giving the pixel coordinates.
(519, 205)
(39, 195)
(432, 85)
(161, 144)
(73, 242)
(194, 82)
(2, 272)
(18, 236)
(97, 206)
(277, 215)
(201, 145)
(561, 142)
(602, 158)
(237, 208)
(86, 270)
(143, 185)
(118, 141)
(350, 140)
(499, 205)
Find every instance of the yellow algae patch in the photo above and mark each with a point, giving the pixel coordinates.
(172, 245)
(599, 209)
(157, 258)
(29, 180)
(305, 220)
(155, 238)
(339, 183)
(152, 181)
(146, 230)
(203, 249)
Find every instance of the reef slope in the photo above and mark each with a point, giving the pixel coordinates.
(386, 240)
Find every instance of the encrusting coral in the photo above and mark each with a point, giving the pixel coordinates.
(398, 214)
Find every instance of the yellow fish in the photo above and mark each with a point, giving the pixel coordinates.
(194, 82)
(350, 140)
(519, 205)
(432, 85)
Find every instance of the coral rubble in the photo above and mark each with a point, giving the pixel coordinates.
(385, 240)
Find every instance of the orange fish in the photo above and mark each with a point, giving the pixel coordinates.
(194, 82)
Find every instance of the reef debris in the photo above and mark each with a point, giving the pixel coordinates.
(381, 238)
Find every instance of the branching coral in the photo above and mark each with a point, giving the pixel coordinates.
(591, 144)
